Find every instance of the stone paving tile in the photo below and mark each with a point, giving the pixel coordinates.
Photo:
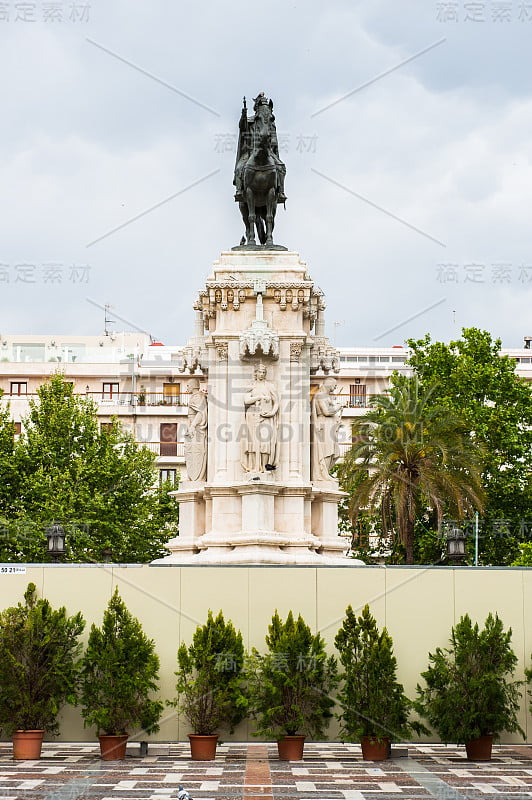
(327, 772)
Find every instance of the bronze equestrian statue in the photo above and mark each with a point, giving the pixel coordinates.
(259, 173)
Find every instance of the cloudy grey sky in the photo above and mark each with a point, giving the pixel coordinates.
(406, 129)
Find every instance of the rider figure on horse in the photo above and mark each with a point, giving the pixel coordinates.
(245, 147)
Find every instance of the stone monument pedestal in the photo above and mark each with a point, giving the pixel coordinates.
(257, 522)
(264, 350)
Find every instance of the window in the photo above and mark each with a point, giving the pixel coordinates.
(357, 395)
(399, 359)
(168, 476)
(17, 430)
(171, 393)
(110, 391)
(19, 388)
(168, 438)
(106, 426)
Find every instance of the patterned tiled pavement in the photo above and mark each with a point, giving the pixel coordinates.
(253, 772)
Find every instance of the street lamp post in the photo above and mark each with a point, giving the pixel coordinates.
(55, 536)
(456, 540)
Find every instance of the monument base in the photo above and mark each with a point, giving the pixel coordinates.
(268, 424)
(258, 522)
(246, 550)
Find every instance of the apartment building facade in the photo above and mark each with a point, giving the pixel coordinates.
(142, 383)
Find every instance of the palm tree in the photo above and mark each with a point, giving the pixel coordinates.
(409, 454)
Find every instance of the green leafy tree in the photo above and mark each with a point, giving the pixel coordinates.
(98, 483)
(119, 674)
(210, 682)
(8, 470)
(39, 663)
(373, 701)
(411, 454)
(524, 559)
(291, 684)
(528, 675)
(469, 689)
(469, 377)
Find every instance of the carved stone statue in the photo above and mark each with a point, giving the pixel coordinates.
(259, 171)
(326, 417)
(259, 446)
(196, 435)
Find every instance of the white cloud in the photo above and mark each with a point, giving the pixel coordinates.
(88, 142)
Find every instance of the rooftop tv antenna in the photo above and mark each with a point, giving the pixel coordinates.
(106, 309)
(106, 320)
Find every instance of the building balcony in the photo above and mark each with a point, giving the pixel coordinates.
(166, 451)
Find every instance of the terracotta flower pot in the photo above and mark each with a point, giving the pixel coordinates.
(113, 748)
(27, 744)
(479, 749)
(374, 749)
(291, 748)
(202, 748)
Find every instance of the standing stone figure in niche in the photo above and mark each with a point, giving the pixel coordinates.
(326, 417)
(259, 447)
(196, 435)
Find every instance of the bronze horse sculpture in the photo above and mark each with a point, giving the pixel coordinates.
(259, 175)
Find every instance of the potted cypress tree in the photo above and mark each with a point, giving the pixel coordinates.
(210, 686)
(375, 708)
(470, 697)
(119, 674)
(39, 670)
(290, 686)
(528, 675)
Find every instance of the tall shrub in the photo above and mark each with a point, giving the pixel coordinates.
(39, 663)
(291, 684)
(119, 675)
(210, 682)
(373, 701)
(469, 690)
